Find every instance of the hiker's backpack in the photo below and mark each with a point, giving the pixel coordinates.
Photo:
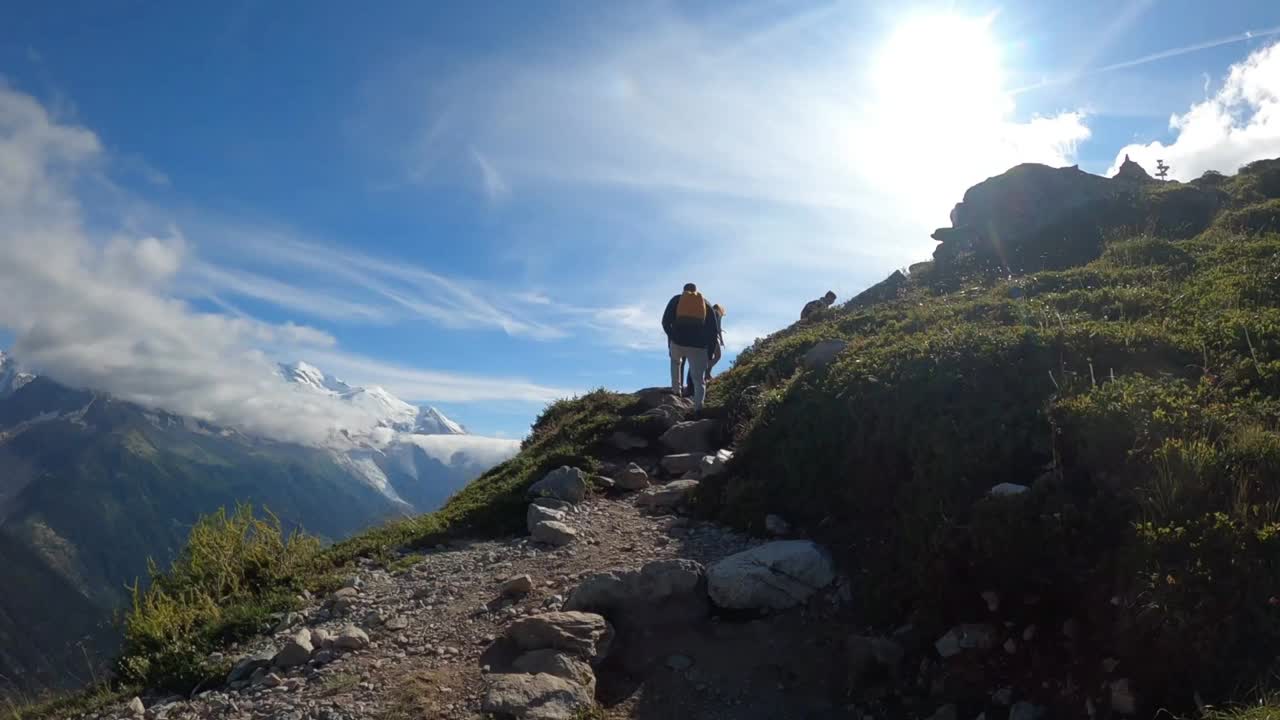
(691, 308)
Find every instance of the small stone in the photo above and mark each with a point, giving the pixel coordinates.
(633, 478)
(1029, 633)
(295, 652)
(272, 680)
(1003, 696)
(136, 707)
(351, 638)
(517, 585)
(1109, 665)
(992, 598)
(397, 623)
(946, 712)
(1011, 646)
(1008, 490)
(604, 483)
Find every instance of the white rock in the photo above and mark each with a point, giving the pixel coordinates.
(517, 585)
(136, 707)
(776, 525)
(551, 532)
(1008, 489)
(775, 575)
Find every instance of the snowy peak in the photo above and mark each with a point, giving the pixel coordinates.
(391, 412)
(10, 377)
(313, 377)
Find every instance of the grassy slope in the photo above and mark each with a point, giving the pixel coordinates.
(1138, 394)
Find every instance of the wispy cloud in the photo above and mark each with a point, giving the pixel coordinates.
(105, 310)
(1238, 124)
(491, 180)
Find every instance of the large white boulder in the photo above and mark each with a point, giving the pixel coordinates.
(776, 575)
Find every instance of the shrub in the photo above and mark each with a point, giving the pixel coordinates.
(234, 572)
(1259, 218)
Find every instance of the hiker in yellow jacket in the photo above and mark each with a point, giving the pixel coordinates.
(692, 331)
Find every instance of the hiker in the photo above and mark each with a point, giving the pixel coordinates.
(813, 307)
(715, 351)
(692, 329)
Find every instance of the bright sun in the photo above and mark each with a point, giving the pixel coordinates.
(940, 64)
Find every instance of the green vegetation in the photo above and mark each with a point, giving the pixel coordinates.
(235, 571)
(1138, 396)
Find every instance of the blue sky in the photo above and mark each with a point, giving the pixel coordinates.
(485, 206)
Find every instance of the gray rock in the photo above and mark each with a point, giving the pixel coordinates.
(776, 525)
(604, 483)
(539, 514)
(823, 354)
(633, 478)
(535, 697)
(946, 712)
(650, 398)
(296, 651)
(397, 623)
(551, 532)
(673, 494)
(691, 436)
(1008, 490)
(683, 463)
(351, 638)
(565, 483)
(517, 585)
(1025, 711)
(560, 664)
(662, 592)
(581, 634)
(776, 575)
(322, 657)
(665, 417)
(272, 680)
(627, 441)
(136, 708)
(245, 666)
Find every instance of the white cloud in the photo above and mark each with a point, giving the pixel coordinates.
(100, 310)
(767, 163)
(491, 180)
(471, 449)
(1238, 124)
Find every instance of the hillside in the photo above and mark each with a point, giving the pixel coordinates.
(93, 488)
(1042, 466)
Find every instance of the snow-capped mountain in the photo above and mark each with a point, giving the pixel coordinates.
(391, 412)
(10, 377)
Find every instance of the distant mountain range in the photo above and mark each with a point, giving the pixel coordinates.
(91, 486)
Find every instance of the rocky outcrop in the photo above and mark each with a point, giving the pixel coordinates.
(1033, 217)
(776, 576)
(1132, 172)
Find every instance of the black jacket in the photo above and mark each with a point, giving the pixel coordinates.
(703, 335)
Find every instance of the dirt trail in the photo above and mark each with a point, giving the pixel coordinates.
(430, 625)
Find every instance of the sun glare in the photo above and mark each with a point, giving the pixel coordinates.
(940, 63)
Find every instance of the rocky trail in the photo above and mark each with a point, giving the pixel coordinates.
(616, 605)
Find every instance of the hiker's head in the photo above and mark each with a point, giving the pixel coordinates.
(690, 287)
(830, 297)
(719, 309)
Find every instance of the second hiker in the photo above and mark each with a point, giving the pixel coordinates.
(692, 331)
